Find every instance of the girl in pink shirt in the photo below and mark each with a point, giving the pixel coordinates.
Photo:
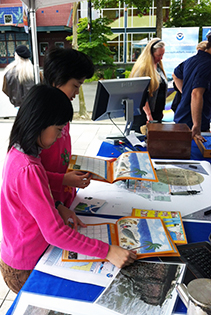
(65, 69)
(30, 220)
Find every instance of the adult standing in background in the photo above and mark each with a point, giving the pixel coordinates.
(193, 79)
(149, 63)
(19, 76)
(201, 46)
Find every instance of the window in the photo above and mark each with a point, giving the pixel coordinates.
(8, 19)
(43, 48)
(59, 44)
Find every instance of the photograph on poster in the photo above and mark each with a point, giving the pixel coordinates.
(143, 288)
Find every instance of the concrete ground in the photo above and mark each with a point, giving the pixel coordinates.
(8, 110)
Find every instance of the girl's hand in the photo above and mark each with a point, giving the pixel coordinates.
(66, 214)
(77, 179)
(120, 257)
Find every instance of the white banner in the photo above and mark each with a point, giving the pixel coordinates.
(180, 44)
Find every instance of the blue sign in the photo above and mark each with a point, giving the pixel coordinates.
(205, 31)
(15, 12)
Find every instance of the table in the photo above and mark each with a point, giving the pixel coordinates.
(45, 284)
(109, 150)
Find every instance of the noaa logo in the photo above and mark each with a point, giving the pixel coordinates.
(180, 36)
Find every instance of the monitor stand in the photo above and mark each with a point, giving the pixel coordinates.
(120, 136)
(129, 112)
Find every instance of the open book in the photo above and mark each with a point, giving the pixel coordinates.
(171, 219)
(129, 165)
(149, 237)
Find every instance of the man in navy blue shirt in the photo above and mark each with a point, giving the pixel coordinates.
(193, 79)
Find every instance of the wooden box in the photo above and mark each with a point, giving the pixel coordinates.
(204, 147)
(169, 141)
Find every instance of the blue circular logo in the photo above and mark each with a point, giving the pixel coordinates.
(180, 36)
(109, 275)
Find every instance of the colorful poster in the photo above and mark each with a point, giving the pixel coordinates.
(25, 17)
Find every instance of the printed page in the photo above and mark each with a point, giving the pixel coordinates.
(98, 273)
(105, 232)
(147, 236)
(31, 303)
(143, 288)
(136, 165)
(135, 141)
(171, 219)
(181, 178)
(89, 164)
(88, 205)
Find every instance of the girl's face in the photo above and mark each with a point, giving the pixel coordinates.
(158, 55)
(71, 88)
(49, 135)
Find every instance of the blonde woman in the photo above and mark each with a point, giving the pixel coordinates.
(202, 45)
(19, 76)
(149, 63)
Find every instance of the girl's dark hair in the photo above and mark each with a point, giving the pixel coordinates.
(42, 107)
(63, 64)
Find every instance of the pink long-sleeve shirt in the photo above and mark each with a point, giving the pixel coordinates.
(55, 161)
(30, 221)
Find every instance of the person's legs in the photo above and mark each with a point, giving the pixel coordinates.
(14, 278)
(139, 121)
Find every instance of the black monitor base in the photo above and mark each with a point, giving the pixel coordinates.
(120, 136)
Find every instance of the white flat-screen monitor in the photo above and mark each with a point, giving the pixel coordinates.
(120, 98)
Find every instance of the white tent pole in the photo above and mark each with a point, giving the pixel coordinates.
(32, 15)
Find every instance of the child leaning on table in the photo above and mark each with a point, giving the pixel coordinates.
(66, 69)
(30, 221)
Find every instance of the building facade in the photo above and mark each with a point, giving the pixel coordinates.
(130, 31)
(54, 24)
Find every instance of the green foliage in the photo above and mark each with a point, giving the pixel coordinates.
(127, 73)
(108, 73)
(94, 78)
(189, 13)
(94, 43)
(142, 5)
(152, 246)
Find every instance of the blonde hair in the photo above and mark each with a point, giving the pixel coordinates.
(202, 45)
(23, 68)
(144, 65)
